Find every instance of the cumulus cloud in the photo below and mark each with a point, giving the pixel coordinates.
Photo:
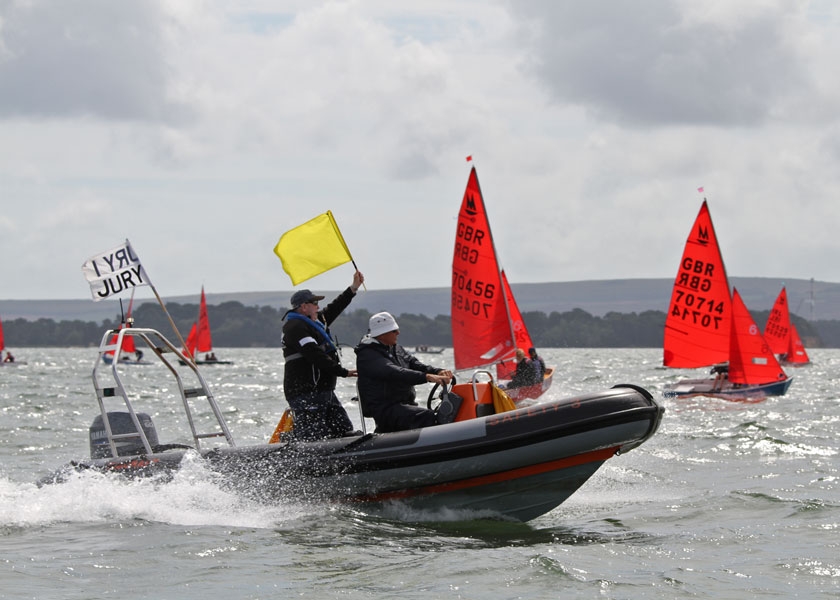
(330, 77)
(662, 62)
(591, 125)
(85, 58)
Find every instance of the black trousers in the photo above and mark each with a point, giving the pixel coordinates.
(319, 415)
(399, 417)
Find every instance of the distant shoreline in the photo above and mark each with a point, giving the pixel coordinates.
(812, 300)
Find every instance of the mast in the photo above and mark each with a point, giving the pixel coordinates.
(499, 269)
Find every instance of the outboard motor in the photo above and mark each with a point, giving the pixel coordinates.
(121, 423)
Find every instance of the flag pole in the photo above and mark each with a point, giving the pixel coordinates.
(162, 305)
(343, 243)
(169, 317)
(357, 268)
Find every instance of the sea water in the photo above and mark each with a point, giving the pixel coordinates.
(727, 500)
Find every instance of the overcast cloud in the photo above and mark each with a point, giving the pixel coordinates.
(203, 129)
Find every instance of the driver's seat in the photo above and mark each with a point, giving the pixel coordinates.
(478, 400)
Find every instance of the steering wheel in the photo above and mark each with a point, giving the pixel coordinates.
(432, 394)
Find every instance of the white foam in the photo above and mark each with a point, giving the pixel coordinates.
(193, 497)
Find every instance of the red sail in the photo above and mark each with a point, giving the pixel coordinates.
(128, 341)
(2, 342)
(192, 340)
(204, 341)
(481, 331)
(127, 344)
(781, 334)
(522, 338)
(751, 361)
(699, 315)
(777, 330)
(796, 354)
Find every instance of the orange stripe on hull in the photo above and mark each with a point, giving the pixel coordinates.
(461, 484)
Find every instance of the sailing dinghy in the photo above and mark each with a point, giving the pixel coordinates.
(200, 340)
(487, 326)
(782, 336)
(126, 352)
(707, 326)
(8, 360)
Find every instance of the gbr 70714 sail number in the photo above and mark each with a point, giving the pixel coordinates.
(703, 311)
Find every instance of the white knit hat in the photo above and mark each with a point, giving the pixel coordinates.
(382, 323)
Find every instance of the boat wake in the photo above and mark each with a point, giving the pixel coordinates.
(193, 496)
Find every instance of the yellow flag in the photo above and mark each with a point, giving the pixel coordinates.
(312, 248)
(501, 401)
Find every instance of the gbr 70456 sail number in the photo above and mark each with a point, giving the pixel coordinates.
(472, 296)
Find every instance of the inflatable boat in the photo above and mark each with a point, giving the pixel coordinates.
(514, 465)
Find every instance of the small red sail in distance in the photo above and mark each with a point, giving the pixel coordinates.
(128, 345)
(781, 334)
(751, 361)
(777, 329)
(204, 341)
(192, 340)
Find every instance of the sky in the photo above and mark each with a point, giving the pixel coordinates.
(202, 130)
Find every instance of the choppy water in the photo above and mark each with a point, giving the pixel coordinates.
(726, 501)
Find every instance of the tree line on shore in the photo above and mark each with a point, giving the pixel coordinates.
(235, 325)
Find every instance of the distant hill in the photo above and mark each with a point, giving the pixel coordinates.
(812, 300)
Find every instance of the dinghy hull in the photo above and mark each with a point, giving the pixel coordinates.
(711, 388)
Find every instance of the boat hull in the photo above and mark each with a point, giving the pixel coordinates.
(530, 392)
(516, 465)
(787, 363)
(713, 388)
(126, 360)
(210, 362)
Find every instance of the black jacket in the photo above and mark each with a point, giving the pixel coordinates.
(526, 374)
(312, 367)
(387, 375)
